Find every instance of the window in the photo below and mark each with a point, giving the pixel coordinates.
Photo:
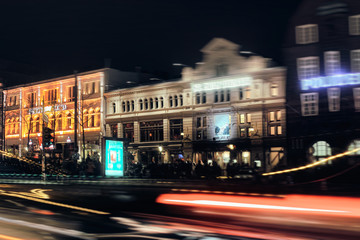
(334, 99)
(309, 104)
(251, 131)
(247, 93)
(90, 88)
(197, 98)
(123, 106)
(141, 104)
(274, 125)
(354, 25)
(243, 132)
(151, 103)
(132, 105)
(161, 102)
(59, 122)
(68, 121)
(307, 34)
(146, 103)
(355, 60)
(31, 99)
(70, 94)
(176, 103)
(201, 128)
(181, 100)
(354, 145)
(357, 98)
(128, 106)
(97, 117)
(156, 103)
(91, 120)
(241, 93)
(114, 130)
(308, 67)
(275, 129)
(216, 96)
(170, 101)
(321, 150)
(224, 96)
(228, 95)
(113, 107)
(248, 117)
(242, 118)
(176, 129)
(203, 96)
(129, 131)
(274, 90)
(271, 116)
(332, 62)
(51, 96)
(221, 70)
(278, 115)
(151, 131)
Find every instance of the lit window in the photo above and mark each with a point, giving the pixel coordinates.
(321, 149)
(334, 99)
(308, 67)
(354, 145)
(307, 34)
(309, 104)
(272, 116)
(272, 130)
(357, 98)
(332, 62)
(354, 25)
(242, 118)
(279, 130)
(247, 93)
(242, 132)
(248, 117)
(274, 90)
(278, 115)
(355, 60)
(251, 131)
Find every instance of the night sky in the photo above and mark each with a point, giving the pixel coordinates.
(49, 38)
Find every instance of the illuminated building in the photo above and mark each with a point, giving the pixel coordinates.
(52, 102)
(322, 56)
(230, 107)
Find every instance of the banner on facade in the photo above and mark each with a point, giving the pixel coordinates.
(222, 126)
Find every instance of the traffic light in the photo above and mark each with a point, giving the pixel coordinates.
(48, 137)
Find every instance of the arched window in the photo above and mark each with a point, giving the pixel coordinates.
(141, 104)
(128, 106)
(97, 117)
(354, 145)
(68, 121)
(59, 122)
(161, 102)
(222, 96)
(91, 118)
(151, 103)
(176, 101)
(197, 97)
(132, 105)
(113, 107)
(321, 150)
(170, 101)
(146, 104)
(123, 106)
(181, 100)
(156, 103)
(86, 118)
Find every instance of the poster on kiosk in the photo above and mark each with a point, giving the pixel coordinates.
(114, 157)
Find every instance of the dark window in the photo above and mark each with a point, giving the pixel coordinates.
(197, 98)
(129, 131)
(176, 129)
(203, 97)
(151, 131)
(114, 130)
(151, 103)
(141, 104)
(170, 101)
(241, 93)
(123, 107)
(228, 95)
(216, 98)
(181, 100)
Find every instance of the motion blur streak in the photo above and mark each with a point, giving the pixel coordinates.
(345, 206)
(5, 237)
(54, 203)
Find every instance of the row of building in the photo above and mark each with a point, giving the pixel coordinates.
(232, 107)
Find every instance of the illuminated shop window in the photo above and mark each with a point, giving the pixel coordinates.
(334, 99)
(176, 129)
(307, 34)
(245, 157)
(354, 145)
(308, 67)
(355, 61)
(332, 62)
(309, 104)
(356, 92)
(114, 130)
(354, 25)
(321, 149)
(151, 131)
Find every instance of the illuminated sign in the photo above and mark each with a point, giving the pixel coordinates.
(114, 158)
(57, 107)
(330, 81)
(222, 126)
(222, 83)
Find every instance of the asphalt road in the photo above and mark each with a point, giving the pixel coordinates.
(164, 211)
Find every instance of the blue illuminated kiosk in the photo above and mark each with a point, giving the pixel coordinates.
(114, 155)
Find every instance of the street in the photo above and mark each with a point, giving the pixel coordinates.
(159, 211)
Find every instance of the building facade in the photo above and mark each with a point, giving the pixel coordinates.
(66, 105)
(322, 54)
(230, 107)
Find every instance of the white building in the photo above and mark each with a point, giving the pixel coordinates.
(229, 108)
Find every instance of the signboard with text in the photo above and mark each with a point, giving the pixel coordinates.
(114, 157)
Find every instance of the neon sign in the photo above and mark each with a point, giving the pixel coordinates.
(57, 107)
(222, 83)
(330, 81)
